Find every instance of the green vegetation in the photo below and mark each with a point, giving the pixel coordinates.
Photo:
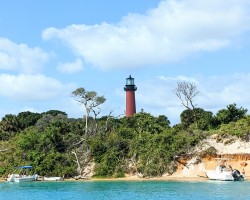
(60, 146)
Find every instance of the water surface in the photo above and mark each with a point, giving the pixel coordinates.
(125, 190)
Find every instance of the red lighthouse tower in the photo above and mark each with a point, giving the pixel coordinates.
(130, 89)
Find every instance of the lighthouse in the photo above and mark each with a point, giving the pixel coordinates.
(130, 89)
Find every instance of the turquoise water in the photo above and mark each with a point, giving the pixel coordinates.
(125, 190)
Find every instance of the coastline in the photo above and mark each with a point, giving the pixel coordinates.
(134, 178)
(130, 179)
(190, 168)
(152, 179)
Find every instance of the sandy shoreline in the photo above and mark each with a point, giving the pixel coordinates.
(169, 178)
(130, 179)
(135, 178)
(154, 179)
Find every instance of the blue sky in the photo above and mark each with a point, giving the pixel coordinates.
(50, 48)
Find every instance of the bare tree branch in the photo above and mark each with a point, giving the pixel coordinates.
(3, 150)
(186, 92)
(78, 142)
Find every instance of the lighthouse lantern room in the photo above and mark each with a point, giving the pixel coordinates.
(130, 89)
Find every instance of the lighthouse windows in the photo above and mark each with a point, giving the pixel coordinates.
(130, 81)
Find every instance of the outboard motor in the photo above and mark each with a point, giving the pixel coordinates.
(36, 177)
(236, 175)
(11, 178)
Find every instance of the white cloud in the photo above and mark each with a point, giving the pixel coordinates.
(20, 57)
(71, 68)
(220, 91)
(31, 109)
(217, 92)
(170, 32)
(178, 79)
(32, 87)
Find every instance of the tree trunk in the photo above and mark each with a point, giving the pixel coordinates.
(79, 168)
(3, 150)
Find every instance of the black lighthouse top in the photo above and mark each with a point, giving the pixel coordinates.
(130, 84)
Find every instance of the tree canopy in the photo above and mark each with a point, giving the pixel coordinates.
(230, 114)
(141, 144)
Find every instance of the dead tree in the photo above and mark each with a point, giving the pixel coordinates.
(82, 155)
(186, 92)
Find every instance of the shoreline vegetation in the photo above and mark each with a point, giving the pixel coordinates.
(132, 178)
(142, 144)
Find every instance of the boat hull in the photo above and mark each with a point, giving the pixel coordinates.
(222, 176)
(224, 171)
(17, 179)
(53, 178)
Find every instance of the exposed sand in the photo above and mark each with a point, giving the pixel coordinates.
(223, 147)
(134, 178)
(191, 170)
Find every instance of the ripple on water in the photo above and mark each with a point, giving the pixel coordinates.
(125, 190)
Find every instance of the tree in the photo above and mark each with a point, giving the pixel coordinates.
(163, 121)
(47, 120)
(186, 92)
(27, 119)
(230, 114)
(44, 122)
(9, 126)
(145, 122)
(90, 100)
(55, 112)
(46, 151)
(203, 118)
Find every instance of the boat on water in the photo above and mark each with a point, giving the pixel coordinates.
(224, 172)
(53, 178)
(23, 175)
